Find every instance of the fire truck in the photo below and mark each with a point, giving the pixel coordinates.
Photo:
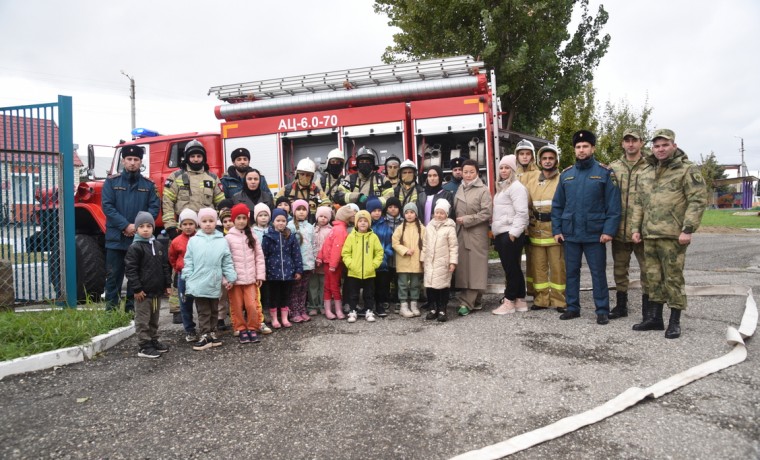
(426, 111)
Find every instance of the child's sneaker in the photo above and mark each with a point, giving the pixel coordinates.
(382, 310)
(442, 316)
(215, 342)
(243, 337)
(265, 329)
(191, 337)
(160, 347)
(254, 338)
(369, 316)
(202, 344)
(352, 316)
(148, 352)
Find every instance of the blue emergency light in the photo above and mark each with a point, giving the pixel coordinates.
(137, 133)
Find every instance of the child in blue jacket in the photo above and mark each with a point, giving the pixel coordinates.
(207, 259)
(383, 274)
(284, 265)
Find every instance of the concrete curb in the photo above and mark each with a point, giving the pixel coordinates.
(65, 356)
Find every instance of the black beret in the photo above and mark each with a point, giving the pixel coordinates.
(132, 151)
(584, 136)
(240, 152)
(457, 162)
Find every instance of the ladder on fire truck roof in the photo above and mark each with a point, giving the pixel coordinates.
(349, 79)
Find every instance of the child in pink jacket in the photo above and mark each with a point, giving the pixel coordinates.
(248, 259)
(330, 256)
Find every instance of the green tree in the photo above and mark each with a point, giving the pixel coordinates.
(536, 61)
(572, 114)
(615, 119)
(712, 170)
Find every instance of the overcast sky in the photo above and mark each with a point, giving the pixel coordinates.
(696, 61)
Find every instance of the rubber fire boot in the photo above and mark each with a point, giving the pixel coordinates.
(339, 309)
(284, 311)
(652, 319)
(328, 310)
(273, 316)
(674, 325)
(621, 306)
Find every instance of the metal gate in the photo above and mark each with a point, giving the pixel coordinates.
(37, 233)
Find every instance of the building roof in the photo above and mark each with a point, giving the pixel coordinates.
(30, 140)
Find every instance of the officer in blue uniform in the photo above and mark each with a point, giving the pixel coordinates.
(124, 195)
(585, 216)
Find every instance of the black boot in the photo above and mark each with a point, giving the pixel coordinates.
(433, 313)
(442, 311)
(652, 318)
(621, 306)
(674, 325)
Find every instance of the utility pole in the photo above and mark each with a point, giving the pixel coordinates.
(743, 167)
(131, 96)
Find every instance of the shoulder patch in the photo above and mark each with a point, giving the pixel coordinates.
(696, 178)
(169, 181)
(346, 183)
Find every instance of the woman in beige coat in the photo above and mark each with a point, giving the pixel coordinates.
(440, 255)
(472, 208)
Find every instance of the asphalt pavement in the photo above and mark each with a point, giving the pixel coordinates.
(410, 388)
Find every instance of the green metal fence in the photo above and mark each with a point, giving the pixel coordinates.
(37, 232)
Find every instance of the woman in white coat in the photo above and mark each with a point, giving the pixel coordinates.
(510, 219)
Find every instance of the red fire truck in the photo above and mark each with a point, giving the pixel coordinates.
(426, 111)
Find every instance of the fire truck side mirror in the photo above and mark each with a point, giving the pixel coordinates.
(90, 160)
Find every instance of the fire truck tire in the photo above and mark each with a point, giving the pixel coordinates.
(91, 268)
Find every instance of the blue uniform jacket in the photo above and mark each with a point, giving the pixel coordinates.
(282, 255)
(122, 199)
(586, 203)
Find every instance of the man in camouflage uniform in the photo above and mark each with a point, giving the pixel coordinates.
(192, 186)
(668, 209)
(627, 169)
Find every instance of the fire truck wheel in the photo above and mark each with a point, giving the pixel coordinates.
(91, 268)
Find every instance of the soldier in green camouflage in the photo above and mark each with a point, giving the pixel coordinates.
(627, 169)
(667, 211)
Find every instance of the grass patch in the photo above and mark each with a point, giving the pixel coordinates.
(6, 252)
(29, 333)
(726, 218)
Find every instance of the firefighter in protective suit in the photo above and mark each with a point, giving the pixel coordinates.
(366, 182)
(330, 181)
(547, 269)
(525, 154)
(392, 170)
(408, 190)
(304, 188)
(192, 186)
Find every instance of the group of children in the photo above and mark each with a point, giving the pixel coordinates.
(292, 267)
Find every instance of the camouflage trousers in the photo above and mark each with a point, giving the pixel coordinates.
(664, 260)
(621, 256)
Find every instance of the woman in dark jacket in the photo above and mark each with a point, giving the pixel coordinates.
(434, 191)
(252, 193)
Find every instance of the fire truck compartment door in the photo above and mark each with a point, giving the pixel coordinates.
(374, 129)
(455, 124)
(265, 156)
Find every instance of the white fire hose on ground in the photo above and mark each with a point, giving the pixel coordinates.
(634, 395)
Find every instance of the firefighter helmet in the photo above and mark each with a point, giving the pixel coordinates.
(367, 152)
(194, 146)
(525, 145)
(336, 154)
(307, 166)
(406, 164)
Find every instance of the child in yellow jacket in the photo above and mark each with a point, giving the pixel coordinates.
(407, 243)
(362, 254)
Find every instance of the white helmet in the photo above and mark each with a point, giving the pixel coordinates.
(407, 164)
(336, 153)
(306, 165)
(525, 145)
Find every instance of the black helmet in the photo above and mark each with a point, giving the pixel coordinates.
(367, 152)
